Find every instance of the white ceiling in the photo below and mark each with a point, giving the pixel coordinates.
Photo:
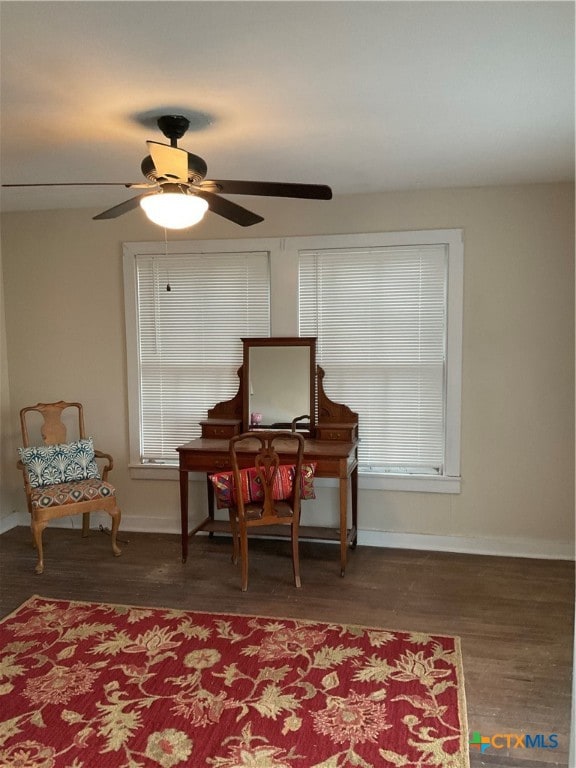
(363, 96)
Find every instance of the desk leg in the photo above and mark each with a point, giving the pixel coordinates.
(210, 489)
(343, 522)
(184, 513)
(354, 479)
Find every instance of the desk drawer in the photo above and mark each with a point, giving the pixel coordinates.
(220, 429)
(344, 433)
(212, 462)
(208, 462)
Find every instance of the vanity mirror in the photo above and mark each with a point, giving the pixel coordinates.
(279, 383)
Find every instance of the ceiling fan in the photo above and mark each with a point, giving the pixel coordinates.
(182, 175)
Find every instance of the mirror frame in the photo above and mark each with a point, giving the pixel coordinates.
(278, 341)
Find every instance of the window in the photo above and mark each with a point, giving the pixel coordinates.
(191, 311)
(386, 309)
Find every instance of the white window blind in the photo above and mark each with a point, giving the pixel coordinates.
(380, 317)
(192, 312)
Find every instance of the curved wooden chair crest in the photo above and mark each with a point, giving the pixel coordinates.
(61, 478)
(269, 509)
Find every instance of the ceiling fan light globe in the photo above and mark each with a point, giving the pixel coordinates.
(174, 210)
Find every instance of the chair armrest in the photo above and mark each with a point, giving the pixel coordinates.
(27, 486)
(109, 462)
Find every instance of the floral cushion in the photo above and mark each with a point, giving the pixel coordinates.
(252, 489)
(71, 493)
(61, 463)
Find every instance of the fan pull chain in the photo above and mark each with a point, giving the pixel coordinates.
(168, 286)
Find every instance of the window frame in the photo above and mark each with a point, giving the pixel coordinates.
(450, 480)
(131, 252)
(284, 321)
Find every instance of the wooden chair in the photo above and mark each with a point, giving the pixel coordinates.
(84, 492)
(268, 510)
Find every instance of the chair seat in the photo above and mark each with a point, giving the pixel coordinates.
(70, 493)
(254, 511)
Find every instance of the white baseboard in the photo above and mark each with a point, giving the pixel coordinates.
(543, 549)
(74, 521)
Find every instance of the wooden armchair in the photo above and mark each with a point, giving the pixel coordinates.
(61, 478)
(278, 492)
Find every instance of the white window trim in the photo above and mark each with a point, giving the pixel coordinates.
(284, 322)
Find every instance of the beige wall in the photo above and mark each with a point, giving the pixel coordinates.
(8, 476)
(65, 339)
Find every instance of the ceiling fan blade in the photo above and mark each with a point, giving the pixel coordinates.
(143, 185)
(228, 209)
(118, 210)
(272, 189)
(74, 184)
(171, 163)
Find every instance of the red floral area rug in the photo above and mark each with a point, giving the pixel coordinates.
(90, 685)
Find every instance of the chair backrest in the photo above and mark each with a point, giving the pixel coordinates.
(265, 469)
(53, 426)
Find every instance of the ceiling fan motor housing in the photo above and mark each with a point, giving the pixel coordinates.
(197, 169)
(173, 126)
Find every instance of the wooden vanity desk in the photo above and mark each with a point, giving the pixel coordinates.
(331, 442)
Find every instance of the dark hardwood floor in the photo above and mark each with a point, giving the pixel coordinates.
(514, 616)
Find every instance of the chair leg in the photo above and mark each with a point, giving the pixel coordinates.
(37, 528)
(85, 524)
(244, 556)
(296, 553)
(116, 516)
(234, 529)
